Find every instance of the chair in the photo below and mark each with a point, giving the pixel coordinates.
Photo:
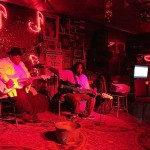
(63, 89)
(141, 94)
(8, 103)
(63, 77)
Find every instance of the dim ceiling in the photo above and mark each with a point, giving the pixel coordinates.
(125, 13)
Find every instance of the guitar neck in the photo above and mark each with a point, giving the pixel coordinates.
(78, 90)
(36, 77)
(86, 91)
(30, 78)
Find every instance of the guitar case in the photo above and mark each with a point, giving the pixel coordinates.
(105, 106)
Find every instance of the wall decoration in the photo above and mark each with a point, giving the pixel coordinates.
(78, 53)
(51, 27)
(120, 47)
(64, 25)
(147, 57)
(64, 40)
(112, 47)
(67, 59)
(52, 45)
(37, 27)
(77, 26)
(53, 59)
(3, 13)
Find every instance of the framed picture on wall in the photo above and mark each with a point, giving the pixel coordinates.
(120, 47)
(64, 25)
(51, 27)
(64, 40)
(112, 47)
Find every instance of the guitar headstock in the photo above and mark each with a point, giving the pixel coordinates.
(105, 95)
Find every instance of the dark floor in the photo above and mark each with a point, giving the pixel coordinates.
(105, 132)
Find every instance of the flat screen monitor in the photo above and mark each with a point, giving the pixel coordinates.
(140, 71)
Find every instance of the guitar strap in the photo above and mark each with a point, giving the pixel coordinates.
(75, 79)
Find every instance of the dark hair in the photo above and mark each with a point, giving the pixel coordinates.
(75, 66)
(14, 51)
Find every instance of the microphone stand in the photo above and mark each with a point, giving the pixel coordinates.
(100, 122)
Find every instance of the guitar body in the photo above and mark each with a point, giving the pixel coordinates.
(18, 84)
(9, 91)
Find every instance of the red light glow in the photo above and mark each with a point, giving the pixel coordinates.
(147, 58)
(34, 59)
(40, 21)
(3, 13)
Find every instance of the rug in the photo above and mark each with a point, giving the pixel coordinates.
(105, 133)
(15, 148)
(144, 140)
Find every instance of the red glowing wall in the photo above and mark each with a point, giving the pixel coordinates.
(15, 31)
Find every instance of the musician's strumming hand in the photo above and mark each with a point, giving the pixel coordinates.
(93, 91)
(27, 82)
(9, 83)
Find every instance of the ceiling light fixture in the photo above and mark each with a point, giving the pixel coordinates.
(147, 58)
(145, 15)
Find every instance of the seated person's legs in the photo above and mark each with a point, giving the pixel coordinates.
(75, 99)
(90, 105)
(29, 105)
(90, 102)
(22, 102)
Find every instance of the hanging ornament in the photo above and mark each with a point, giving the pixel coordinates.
(108, 10)
(37, 27)
(3, 13)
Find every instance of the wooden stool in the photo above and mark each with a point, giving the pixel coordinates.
(9, 104)
(120, 102)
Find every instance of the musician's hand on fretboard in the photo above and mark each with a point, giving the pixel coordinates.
(24, 81)
(28, 82)
(92, 92)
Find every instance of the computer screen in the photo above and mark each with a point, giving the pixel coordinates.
(140, 71)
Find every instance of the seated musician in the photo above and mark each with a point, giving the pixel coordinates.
(77, 77)
(27, 104)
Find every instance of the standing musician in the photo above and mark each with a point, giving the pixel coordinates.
(27, 104)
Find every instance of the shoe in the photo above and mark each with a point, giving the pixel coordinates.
(27, 117)
(24, 116)
(35, 119)
(91, 117)
(83, 115)
(74, 116)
